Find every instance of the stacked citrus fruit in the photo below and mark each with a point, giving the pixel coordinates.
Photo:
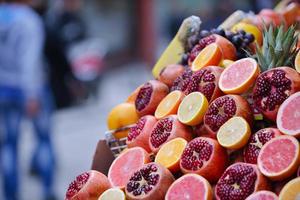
(198, 118)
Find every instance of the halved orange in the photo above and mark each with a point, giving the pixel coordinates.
(291, 190)
(234, 134)
(169, 105)
(210, 55)
(169, 154)
(239, 77)
(192, 109)
(297, 62)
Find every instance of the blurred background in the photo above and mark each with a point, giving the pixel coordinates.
(96, 53)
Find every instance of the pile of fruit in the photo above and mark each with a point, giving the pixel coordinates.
(222, 122)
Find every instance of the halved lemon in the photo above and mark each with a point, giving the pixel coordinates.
(112, 194)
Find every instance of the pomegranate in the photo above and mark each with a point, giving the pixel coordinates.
(223, 108)
(228, 49)
(88, 185)
(272, 87)
(139, 134)
(151, 182)
(182, 81)
(149, 96)
(170, 73)
(167, 129)
(239, 181)
(204, 156)
(206, 81)
(256, 142)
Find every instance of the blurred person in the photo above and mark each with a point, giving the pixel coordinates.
(23, 90)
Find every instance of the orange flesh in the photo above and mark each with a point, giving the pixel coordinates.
(278, 156)
(291, 117)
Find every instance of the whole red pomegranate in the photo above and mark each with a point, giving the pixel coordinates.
(272, 87)
(223, 108)
(167, 129)
(182, 81)
(239, 181)
(204, 156)
(151, 182)
(170, 73)
(139, 134)
(256, 142)
(206, 81)
(149, 96)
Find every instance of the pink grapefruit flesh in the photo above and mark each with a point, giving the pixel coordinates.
(190, 186)
(288, 117)
(279, 157)
(125, 165)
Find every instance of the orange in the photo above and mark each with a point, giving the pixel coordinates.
(239, 77)
(122, 115)
(192, 109)
(112, 193)
(210, 55)
(234, 134)
(169, 154)
(291, 190)
(297, 62)
(249, 28)
(169, 105)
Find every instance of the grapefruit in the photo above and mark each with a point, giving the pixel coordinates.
(291, 190)
(190, 186)
(279, 158)
(125, 164)
(192, 109)
(112, 193)
(288, 117)
(263, 195)
(238, 77)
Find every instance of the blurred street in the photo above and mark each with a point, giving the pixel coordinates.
(77, 131)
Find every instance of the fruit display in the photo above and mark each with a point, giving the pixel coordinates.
(220, 119)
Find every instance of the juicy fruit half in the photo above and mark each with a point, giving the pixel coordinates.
(239, 181)
(192, 109)
(274, 86)
(288, 117)
(239, 77)
(263, 195)
(112, 193)
(125, 164)
(291, 190)
(210, 55)
(297, 62)
(167, 129)
(190, 186)
(204, 156)
(279, 158)
(169, 154)
(149, 96)
(223, 108)
(234, 133)
(257, 141)
(150, 182)
(169, 105)
(138, 135)
(89, 185)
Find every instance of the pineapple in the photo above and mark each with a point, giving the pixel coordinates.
(278, 49)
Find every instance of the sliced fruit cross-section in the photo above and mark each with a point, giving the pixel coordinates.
(291, 190)
(112, 194)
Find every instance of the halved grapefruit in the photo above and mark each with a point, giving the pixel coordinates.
(288, 117)
(238, 77)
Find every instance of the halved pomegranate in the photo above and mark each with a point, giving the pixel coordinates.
(223, 108)
(88, 185)
(274, 86)
(239, 181)
(170, 73)
(206, 81)
(139, 134)
(182, 81)
(227, 48)
(256, 142)
(151, 182)
(149, 96)
(167, 129)
(204, 156)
